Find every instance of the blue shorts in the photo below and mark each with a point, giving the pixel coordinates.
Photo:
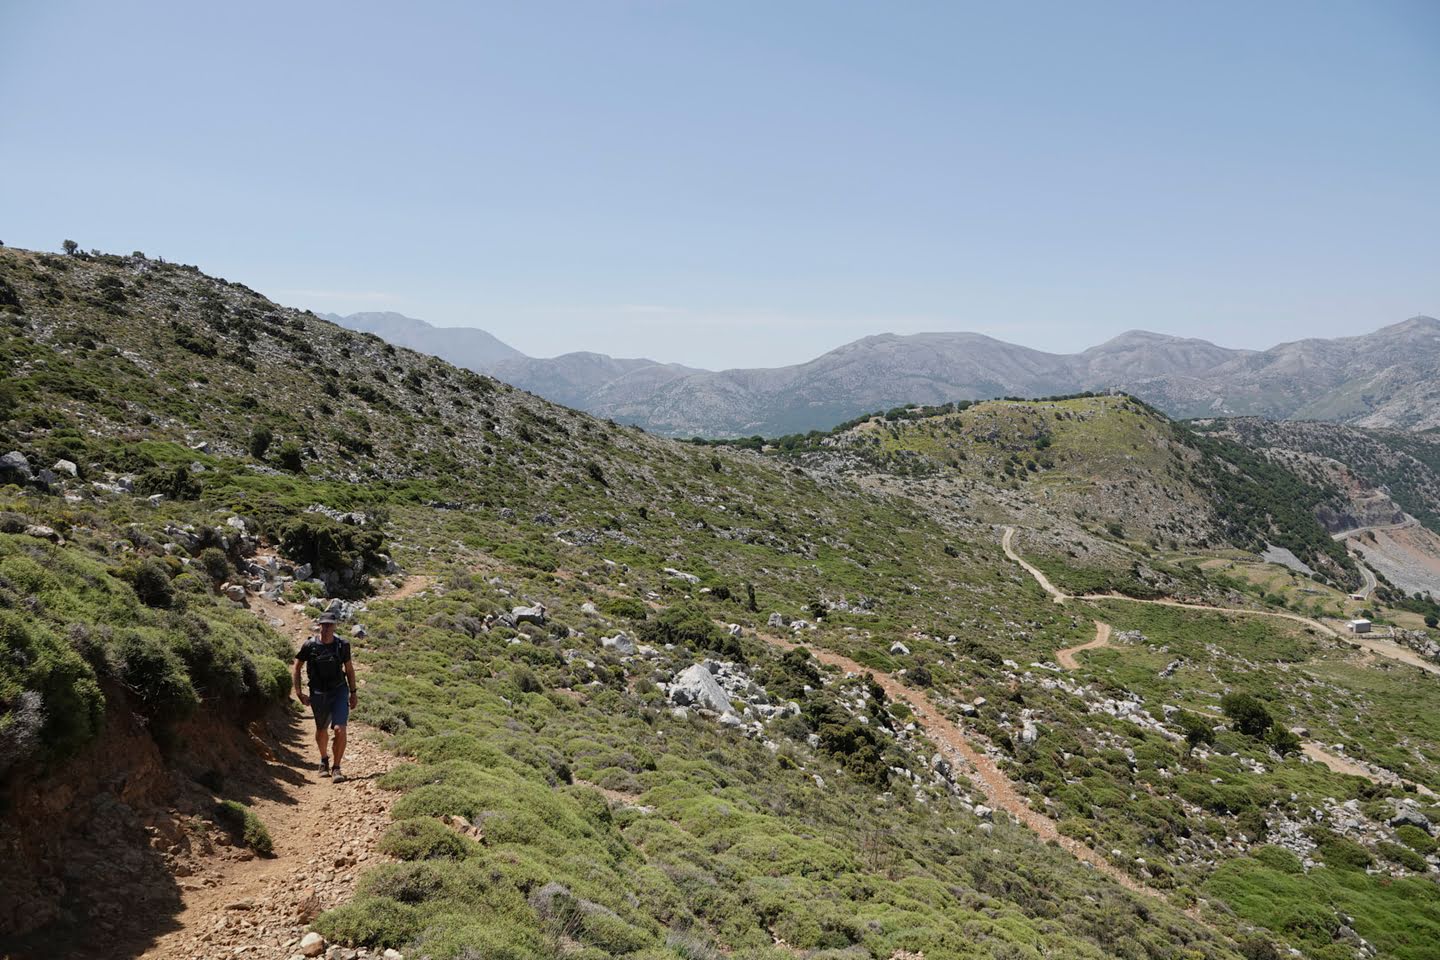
(331, 707)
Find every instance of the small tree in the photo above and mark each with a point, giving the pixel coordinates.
(1197, 730)
(1282, 741)
(1432, 621)
(70, 247)
(260, 440)
(1247, 713)
(291, 458)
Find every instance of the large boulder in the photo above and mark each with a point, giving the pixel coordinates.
(696, 687)
(534, 615)
(14, 468)
(620, 643)
(1410, 817)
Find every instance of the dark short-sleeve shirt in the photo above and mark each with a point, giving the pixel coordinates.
(324, 662)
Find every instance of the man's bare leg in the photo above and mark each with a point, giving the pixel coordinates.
(339, 744)
(322, 741)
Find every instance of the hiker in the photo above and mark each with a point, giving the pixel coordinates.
(332, 689)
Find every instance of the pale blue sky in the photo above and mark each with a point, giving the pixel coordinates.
(749, 183)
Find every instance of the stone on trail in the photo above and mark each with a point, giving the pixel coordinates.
(312, 944)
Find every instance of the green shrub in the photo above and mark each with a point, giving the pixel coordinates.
(525, 680)
(328, 544)
(1404, 856)
(1282, 741)
(151, 582)
(291, 457)
(173, 483)
(1338, 852)
(1417, 839)
(688, 625)
(215, 564)
(422, 838)
(260, 440)
(627, 607)
(371, 922)
(1197, 729)
(245, 825)
(413, 882)
(1278, 858)
(155, 676)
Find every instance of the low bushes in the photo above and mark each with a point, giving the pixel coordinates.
(72, 628)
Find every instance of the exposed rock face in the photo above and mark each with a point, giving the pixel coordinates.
(695, 687)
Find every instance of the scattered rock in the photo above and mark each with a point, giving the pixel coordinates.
(695, 686)
(14, 466)
(620, 643)
(532, 615)
(1409, 816)
(312, 944)
(899, 648)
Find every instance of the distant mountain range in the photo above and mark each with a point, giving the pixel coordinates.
(1389, 378)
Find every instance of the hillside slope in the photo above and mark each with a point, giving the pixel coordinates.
(594, 761)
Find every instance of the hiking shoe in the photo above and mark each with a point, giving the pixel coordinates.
(336, 775)
(325, 767)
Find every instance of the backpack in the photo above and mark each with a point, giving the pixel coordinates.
(324, 665)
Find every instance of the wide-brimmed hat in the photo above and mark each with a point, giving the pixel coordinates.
(329, 616)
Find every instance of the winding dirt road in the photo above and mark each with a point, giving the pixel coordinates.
(1056, 594)
(1067, 656)
(999, 791)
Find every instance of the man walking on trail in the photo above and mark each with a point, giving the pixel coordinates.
(332, 689)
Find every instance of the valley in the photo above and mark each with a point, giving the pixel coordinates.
(1000, 679)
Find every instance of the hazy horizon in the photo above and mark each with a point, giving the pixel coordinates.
(879, 333)
(743, 185)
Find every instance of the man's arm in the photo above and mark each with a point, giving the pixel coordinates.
(295, 677)
(354, 685)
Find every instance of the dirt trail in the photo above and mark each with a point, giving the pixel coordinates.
(1313, 750)
(984, 772)
(1393, 650)
(324, 834)
(1242, 611)
(1055, 592)
(1067, 656)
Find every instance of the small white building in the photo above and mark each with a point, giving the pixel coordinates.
(1359, 626)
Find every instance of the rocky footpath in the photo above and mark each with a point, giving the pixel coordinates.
(237, 904)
